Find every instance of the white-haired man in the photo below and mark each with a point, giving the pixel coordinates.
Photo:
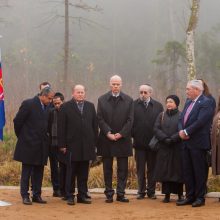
(115, 118)
(194, 125)
(146, 111)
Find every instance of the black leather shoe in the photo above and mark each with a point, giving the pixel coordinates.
(122, 199)
(38, 199)
(109, 200)
(198, 203)
(184, 202)
(57, 193)
(84, 200)
(152, 196)
(27, 201)
(70, 201)
(166, 199)
(140, 196)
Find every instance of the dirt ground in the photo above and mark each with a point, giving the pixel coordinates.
(99, 210)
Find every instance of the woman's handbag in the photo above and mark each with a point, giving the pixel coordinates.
(154, 144)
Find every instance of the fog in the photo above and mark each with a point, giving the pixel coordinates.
(122, 38)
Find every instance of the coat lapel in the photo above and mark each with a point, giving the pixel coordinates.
(195, 107)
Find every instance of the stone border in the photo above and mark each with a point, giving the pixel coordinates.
(101, 191)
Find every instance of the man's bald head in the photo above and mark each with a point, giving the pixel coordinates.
(78, 92)
(115, 84)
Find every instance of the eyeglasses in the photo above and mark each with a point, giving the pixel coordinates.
(143, 92)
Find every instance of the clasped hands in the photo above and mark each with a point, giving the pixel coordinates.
(114, 137)
(183, 135)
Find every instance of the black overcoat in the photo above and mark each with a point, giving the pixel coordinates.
(78, 132)
(144, 119)
(168, 166)
(31, 129)
(116, 117)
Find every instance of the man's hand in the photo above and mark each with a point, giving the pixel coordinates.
(111, 137)
(183, 136)
(118, 136)
(63, 150)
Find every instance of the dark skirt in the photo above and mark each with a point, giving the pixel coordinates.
(172, 187)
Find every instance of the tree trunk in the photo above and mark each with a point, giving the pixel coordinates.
(66, 46)
(191, 69)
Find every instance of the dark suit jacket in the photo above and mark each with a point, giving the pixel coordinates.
(116, 117)
(78, 132)
(198, 124)
(31, 129)
(144, 119)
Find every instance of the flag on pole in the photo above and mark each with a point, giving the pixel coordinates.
(2, 106)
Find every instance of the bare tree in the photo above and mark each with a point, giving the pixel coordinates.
(78, 4)
(191, 68)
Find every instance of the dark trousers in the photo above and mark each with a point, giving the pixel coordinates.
(62, 178)
(145, 162)
(54, 169)
(36, 174)
(78, 170)
(122, 175)
(195, 172)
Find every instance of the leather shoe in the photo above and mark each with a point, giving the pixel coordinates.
(140, 196)
(27, 201)
(152, 196)
(38, 199)
(109, 200)
(184, 202)
(198, 203)
(57, 193)
(84, 200)
(70, 201)
(122, 199)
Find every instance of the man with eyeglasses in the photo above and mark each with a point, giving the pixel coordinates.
(146, 111)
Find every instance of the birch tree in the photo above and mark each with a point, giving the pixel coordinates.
(191, 67)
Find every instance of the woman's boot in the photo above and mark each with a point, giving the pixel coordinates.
(166, 198)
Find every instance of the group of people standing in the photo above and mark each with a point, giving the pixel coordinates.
(73, 134)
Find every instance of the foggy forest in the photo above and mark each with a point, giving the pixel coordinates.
(70, 42)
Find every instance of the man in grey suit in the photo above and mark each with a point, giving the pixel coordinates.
(115, 118)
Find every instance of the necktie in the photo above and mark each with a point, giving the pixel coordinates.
(43, 107)
(80, 107)
(189, 109)
(145, 104)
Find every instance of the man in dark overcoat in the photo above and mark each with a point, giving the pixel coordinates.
(115, 117)
(194, 125)
(146, 110)
(77, 136)
(32, 148)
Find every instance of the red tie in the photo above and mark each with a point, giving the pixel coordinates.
(189, 109)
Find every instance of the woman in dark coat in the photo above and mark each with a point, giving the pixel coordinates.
(215, 141)
(168, 169)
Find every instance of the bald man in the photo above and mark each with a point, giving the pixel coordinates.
(115, 117)
(77, 134)
(146, 110)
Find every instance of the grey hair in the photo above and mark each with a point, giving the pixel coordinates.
(116, 77)
(147, 87)
(46, 91)
(195, 83)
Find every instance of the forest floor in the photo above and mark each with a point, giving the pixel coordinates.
(57, 209)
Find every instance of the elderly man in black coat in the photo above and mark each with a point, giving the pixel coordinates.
(115, 117)
(146, 111)
(32, 148)
(77, 135)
